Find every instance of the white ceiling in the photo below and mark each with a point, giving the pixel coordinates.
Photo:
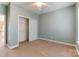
(52, 6)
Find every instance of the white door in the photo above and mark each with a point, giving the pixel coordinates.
(22, 29)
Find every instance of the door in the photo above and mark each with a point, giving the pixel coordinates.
(22, 29)
(2, 30)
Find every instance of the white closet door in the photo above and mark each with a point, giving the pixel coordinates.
(22, 29)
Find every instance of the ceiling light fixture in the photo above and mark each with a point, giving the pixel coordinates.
(40, 4)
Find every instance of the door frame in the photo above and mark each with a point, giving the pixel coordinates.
(5, 31)
(27, 20)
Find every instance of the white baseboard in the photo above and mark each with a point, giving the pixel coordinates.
(12, 47)
(30, 40)
(58, 42)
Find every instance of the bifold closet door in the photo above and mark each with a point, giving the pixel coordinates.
(22, 29)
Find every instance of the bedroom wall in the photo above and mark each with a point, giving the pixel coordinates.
(58, 25)
(3, 9)
(15, 11)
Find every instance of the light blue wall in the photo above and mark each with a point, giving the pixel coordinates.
(3, 9)
(77, 26)
(14, 13)
(58, 25)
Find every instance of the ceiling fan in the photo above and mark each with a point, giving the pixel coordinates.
(39, 5)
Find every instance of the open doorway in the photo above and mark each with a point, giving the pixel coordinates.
(2, 30)
(23, 29)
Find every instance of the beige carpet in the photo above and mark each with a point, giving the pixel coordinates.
(39, 48)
